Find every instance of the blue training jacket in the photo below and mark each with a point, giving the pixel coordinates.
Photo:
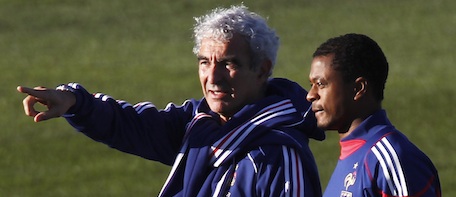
(378, 160)
(261, 151)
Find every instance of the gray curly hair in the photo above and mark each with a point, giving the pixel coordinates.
(222, 23)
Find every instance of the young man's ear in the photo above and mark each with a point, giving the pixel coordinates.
(361, 86)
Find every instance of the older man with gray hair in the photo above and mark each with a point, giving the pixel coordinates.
(248, 136)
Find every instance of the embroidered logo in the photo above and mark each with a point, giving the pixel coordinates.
(350, 179)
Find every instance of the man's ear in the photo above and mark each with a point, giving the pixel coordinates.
(361, 86)
(265, 69)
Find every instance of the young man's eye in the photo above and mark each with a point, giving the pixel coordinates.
(317, 84)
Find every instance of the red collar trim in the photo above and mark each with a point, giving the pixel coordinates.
(349, 147)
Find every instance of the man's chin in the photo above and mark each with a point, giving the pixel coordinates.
(323, 126)
(218, 107)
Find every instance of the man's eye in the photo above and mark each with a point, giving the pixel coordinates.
(320, 85)
(231, 65)
(203, 62)
(317, 84)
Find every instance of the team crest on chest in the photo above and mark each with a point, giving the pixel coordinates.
(349, 180)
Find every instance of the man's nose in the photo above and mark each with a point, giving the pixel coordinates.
(312, 94)
(215, 73)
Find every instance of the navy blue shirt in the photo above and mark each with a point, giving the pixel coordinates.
(378, 160)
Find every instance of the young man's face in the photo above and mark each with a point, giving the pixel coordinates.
(227, 79)
(331, 97)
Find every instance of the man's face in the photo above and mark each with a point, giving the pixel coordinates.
(227, 79)
(331, 97)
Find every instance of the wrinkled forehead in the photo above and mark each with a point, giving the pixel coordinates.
(234, 46)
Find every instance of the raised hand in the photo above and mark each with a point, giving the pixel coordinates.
(57, 102)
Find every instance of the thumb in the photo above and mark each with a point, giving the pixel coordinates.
(45, 115)
(52, 112)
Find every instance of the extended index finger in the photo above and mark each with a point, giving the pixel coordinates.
(36, 92)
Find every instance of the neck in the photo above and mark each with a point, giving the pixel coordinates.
(364, 112)
(224, 119)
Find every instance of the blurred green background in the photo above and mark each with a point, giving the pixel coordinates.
(141, 51)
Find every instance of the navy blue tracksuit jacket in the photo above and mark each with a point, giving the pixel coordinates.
(261, 151)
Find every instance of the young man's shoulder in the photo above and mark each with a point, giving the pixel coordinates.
(395, 145)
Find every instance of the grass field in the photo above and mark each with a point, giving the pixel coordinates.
(141, 50)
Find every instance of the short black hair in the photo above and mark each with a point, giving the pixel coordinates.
(357, 55)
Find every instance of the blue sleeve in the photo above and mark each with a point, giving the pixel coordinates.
(141, 129)
(269, 172)
(399, 168)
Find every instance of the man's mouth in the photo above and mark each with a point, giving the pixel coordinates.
(317, 110)
(217, 94)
